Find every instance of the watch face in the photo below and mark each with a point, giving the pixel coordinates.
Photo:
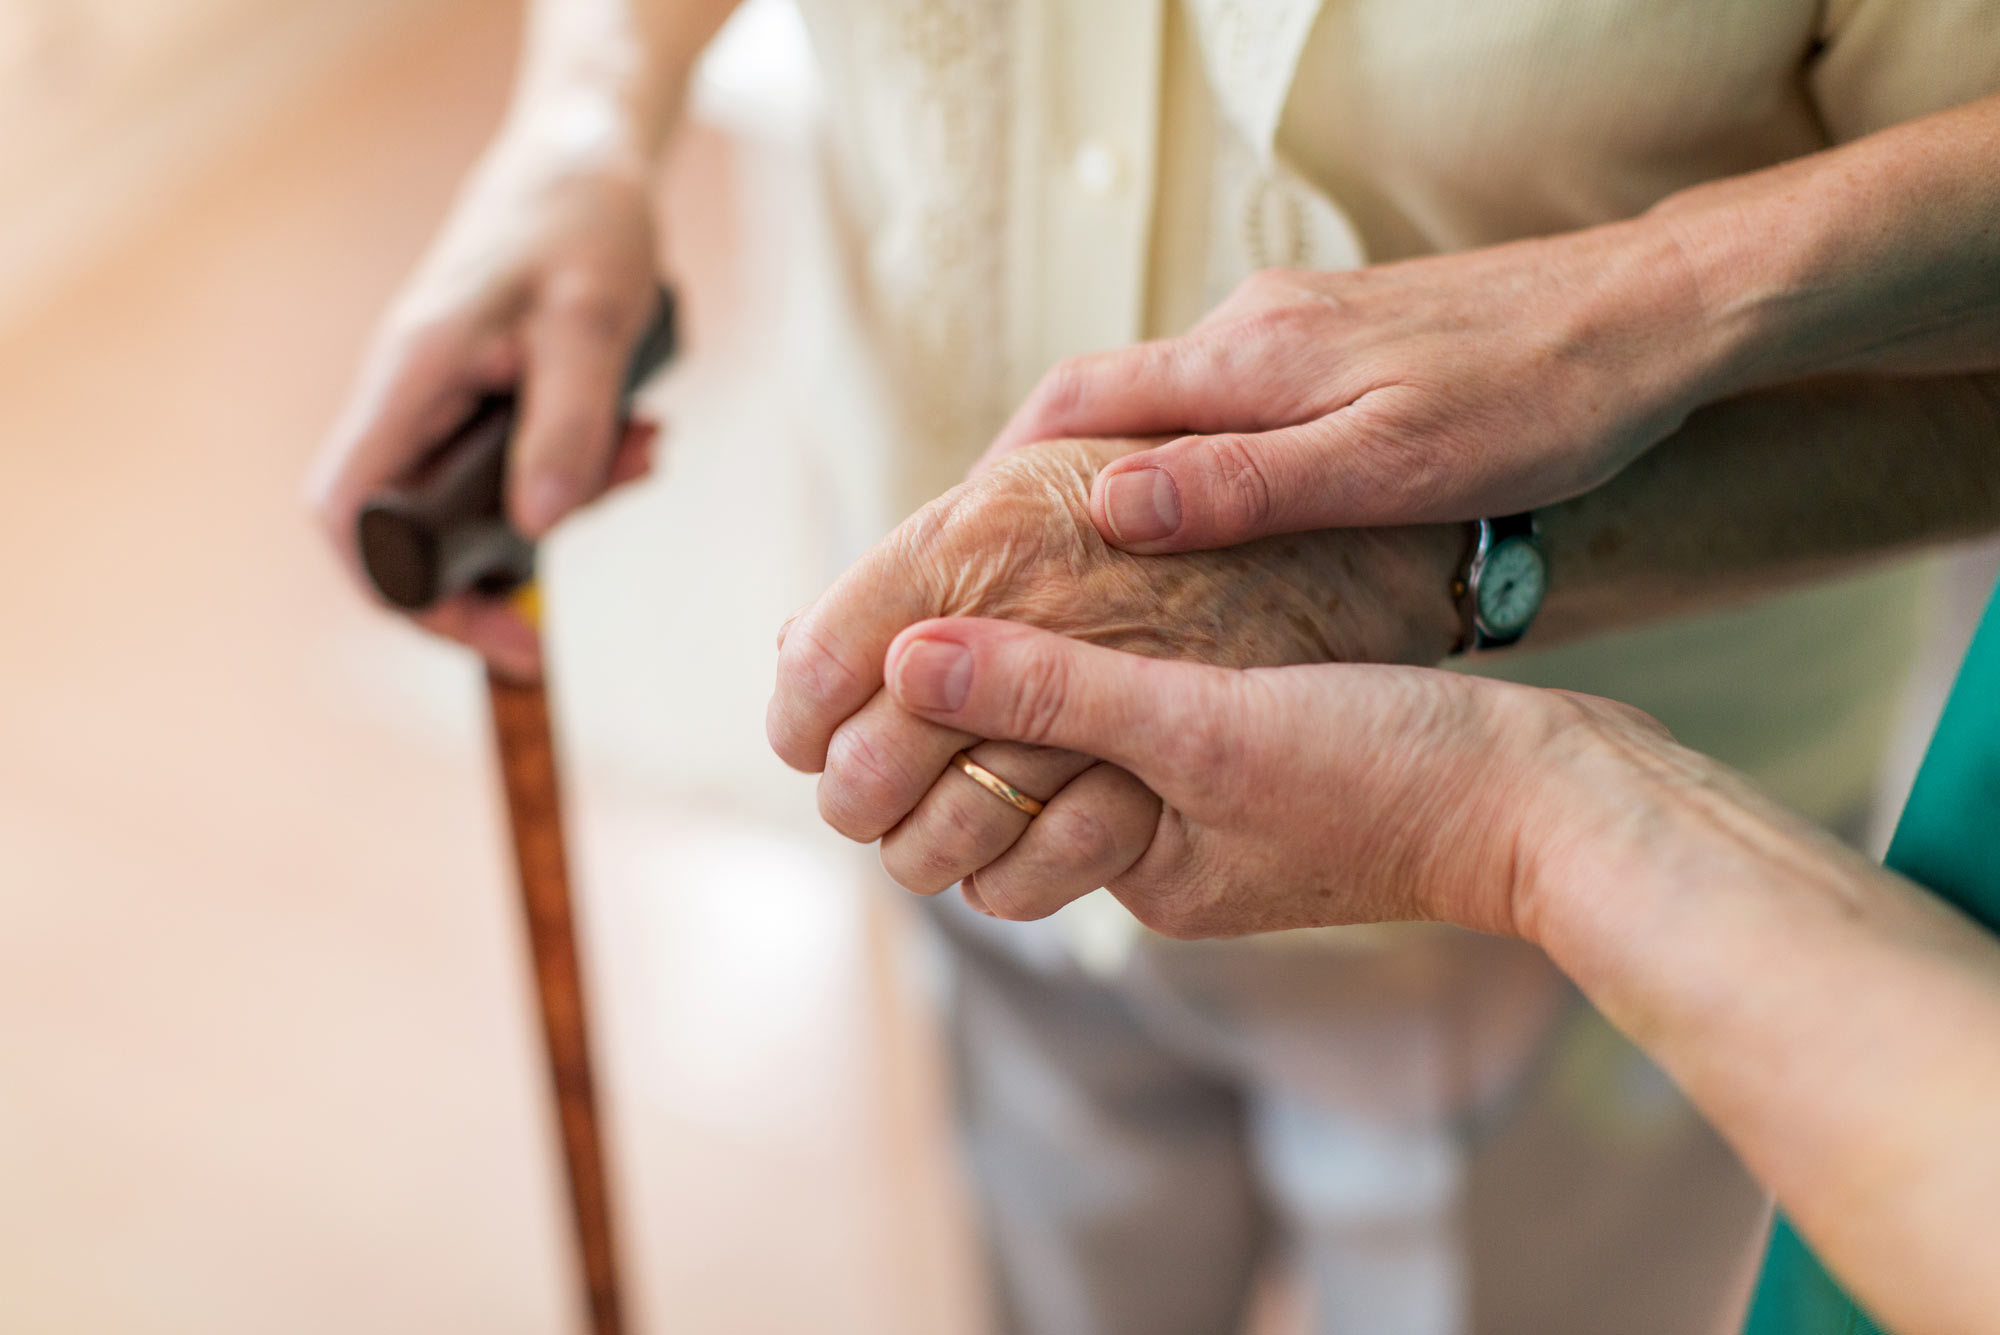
(1512, 580)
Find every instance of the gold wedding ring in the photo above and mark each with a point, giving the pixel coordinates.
(996, 785)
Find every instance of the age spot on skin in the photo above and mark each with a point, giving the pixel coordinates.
(1309, 629)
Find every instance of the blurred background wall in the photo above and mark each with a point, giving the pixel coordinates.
(105, 105)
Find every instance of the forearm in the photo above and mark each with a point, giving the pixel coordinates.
(1838, 1026)
(1773, 489)
(1880, 255)
(616, 69)
(1826, 288)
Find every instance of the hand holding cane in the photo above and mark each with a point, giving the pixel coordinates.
(444, 531)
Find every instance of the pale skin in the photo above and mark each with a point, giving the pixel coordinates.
(1834, 1022)
(1759, 493)
(541, 280)
(1864, 278)
(1496, 380)
(543, 275)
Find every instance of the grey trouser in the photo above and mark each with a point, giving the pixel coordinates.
(1435, 1130)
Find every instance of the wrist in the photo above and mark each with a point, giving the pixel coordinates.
(1578, 831)
(1430, 562)
(1659, 302)
(572, 128)
(1524, 821)
(1776, 277)
(614, 61)
(1633, 844)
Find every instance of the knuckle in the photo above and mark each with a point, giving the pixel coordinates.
(568, 445)
(941, 525)
(1281, 295)
(809, 672)
(1008, 897)
(916, 863)
(789, 739)
(934, 851)
(1271, 326)
(589, 308)
(1082, 838)
(1064, 393)
(1267, 283)
(860, 787)
(812, 684)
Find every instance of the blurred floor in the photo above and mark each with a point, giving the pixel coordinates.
(266, 1061)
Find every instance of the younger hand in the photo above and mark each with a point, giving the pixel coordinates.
(541, 280)
(1290, 797)
(1450, 388)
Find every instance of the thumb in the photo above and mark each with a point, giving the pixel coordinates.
(1147, 389)
(1009, 682)
(1203, 492)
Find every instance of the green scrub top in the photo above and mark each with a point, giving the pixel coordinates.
(1949, 842)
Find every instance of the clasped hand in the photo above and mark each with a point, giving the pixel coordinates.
(1017, 543)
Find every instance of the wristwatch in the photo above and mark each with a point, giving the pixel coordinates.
(1502, 583)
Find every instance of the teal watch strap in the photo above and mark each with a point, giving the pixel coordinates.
(1949, 842)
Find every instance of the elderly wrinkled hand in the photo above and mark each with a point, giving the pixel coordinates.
(541, 281)
(1287, 797)
(1017, 543)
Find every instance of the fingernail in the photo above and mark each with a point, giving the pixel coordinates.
(934, 674)
(1143, 505)
(546, 499)
(786, 629)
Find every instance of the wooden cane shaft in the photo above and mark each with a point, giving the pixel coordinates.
(534, 809)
